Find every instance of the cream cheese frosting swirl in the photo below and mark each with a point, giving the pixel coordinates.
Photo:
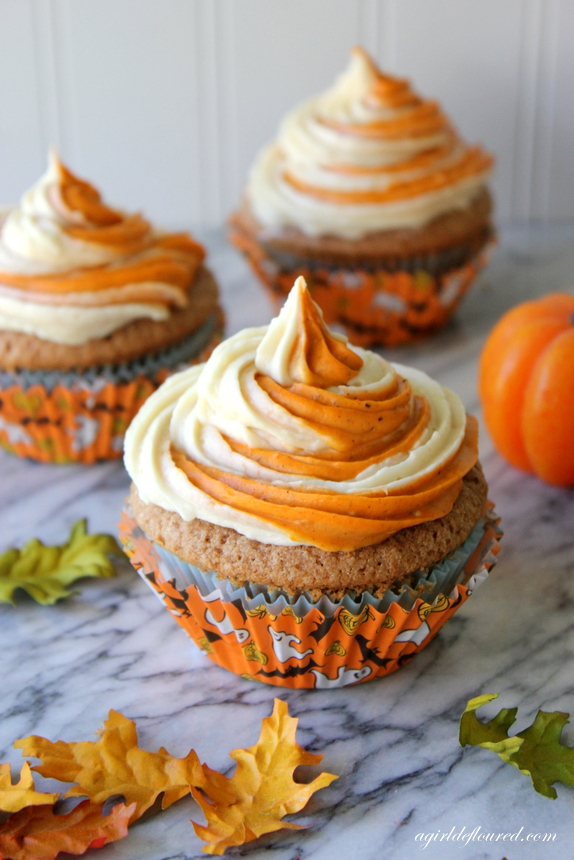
(73, 269)
(289, 435)
(367, 155)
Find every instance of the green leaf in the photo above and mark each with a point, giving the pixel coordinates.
(46, 571)
(543, 756)
(536, 751)
(492, 735)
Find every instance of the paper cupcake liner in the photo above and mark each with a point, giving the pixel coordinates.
(146, 365)
(266, 635)
(385, 305)
(81, 417)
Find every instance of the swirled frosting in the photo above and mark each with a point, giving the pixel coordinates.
(73, 269)
(289, 435)
(368, 155)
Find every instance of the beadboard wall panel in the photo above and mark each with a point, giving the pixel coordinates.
(164, 103)
(20, 125)
(560, 186)
(473, 71)
(270, 50)
(130, 94)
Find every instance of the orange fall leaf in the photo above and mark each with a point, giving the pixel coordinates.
(238, 810)
(35, 833)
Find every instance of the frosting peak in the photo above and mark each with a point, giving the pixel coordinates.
(378, 88)
(86, 217)
(73, 268)
(368, 155)
(79, 197)
(288, 435)
(298, 346)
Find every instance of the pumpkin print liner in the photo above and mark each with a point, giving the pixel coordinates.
(370, 194)
(96, 309)
(268, 635)
(309, 513)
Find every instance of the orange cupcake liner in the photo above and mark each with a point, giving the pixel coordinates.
(82, 423)
(375, 306)
(314, 649)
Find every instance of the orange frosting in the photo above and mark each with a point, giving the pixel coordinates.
(473, 162)
(422, 120)
(163, 264)
(334, 521)
(358, 432)
(370, 142)
(317, 358)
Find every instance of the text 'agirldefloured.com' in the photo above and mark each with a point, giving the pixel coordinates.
(462, 836)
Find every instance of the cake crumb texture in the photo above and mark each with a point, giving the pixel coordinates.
(468, 228)
(141, 337)
(307, 568)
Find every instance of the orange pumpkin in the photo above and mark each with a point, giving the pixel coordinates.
(526, 385)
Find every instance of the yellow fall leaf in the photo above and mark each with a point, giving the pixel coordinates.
(14, 797)
(262, 789)
(115, 764)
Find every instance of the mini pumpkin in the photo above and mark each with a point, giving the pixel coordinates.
(526, 385)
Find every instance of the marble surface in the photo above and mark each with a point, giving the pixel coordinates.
(394, 741)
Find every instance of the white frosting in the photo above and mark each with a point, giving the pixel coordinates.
(72, 324)
(273, 356)
(195, 410)
(310, 151)
(33, 242)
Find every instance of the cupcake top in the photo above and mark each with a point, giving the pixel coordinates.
(72, 269)
(366, 156)
(290, 436)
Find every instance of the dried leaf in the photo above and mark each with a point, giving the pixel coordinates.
(46, 571)
(15, 797)
(116, 765)
(262, 789)
(536, 751)
(36, 833)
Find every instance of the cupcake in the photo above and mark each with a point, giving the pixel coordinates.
(372, 196)
(97, 307)
(309, 513)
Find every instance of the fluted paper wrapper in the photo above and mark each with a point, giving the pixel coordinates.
(82, 416)
(295, 641)
(375, 305)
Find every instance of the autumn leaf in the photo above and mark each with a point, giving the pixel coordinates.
(15, 797)
(45, 572)
(490, 735)
(536, 751)
(36, 833)
(115, 764)
(238, 810)
(262, 789)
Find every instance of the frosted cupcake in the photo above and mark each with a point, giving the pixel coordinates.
(369, 192)
(96, 308)
(309, 513)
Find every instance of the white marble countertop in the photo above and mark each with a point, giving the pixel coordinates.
(394, 742)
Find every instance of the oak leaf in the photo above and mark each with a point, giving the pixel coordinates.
(114, 765)
(14, 797)
(45, 572)
(36, 833)
(536, 752)
(262, 789)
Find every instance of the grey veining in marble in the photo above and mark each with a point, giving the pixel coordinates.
(394, 741)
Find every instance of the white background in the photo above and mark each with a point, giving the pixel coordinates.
(164, 103)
